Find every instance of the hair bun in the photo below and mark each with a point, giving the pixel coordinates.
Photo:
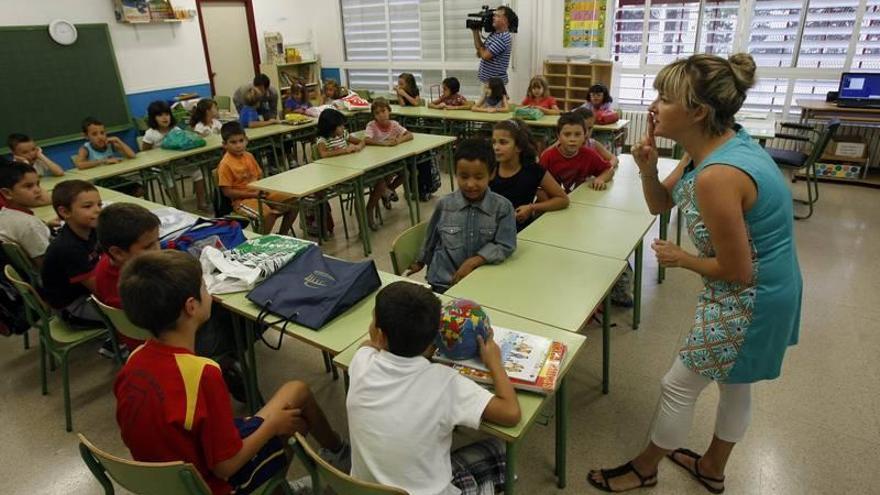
(743, 66)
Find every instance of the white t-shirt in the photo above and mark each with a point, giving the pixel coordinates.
(25, 230)
(401, 413)
(204, 130)
(154, 137)
(39, 165)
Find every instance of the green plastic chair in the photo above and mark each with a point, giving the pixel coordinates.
(405, 249)
(23, 264)
(155, 478)
(339, 482)
(56, 338)
(116, 319)
(223, 103)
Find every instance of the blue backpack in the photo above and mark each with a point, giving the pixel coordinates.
(219, 233)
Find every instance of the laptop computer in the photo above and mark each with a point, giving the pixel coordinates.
(859, 89)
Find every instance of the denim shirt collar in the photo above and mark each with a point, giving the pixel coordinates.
(460, 202)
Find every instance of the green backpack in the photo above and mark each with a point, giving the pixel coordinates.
(528, 113)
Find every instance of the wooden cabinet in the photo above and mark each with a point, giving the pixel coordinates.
(570, 81)
(282, 76)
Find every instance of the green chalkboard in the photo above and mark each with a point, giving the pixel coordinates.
(48, 89)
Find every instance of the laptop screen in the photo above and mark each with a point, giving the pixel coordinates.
(860, 86)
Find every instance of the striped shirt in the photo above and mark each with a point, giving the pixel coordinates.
(499, 45)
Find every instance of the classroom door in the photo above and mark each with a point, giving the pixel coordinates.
(230, 43)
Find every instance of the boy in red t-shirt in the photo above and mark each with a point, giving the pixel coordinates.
(172, 405)
(570, 162)
(124, 230)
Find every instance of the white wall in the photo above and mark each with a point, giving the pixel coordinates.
(301, 21)
(150, 57)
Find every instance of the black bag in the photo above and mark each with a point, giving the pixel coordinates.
(312, 289)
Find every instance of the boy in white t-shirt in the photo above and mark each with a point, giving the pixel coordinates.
(20, 187)
(402, 409)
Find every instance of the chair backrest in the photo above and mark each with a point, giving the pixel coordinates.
(39, 310)
(338, 481)
(140, 123)
(364, 93)
(223, 102)
(143, 478)
(115, 318)
(405, 249)
(21, 262)
(822, 143)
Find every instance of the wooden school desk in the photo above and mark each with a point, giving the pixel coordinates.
(550, 285)
(596, 230)
(530, 404)
(307, 180)
(336, 336)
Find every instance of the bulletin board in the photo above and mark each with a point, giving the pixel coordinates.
(584, 24)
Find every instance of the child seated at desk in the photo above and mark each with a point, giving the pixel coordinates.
(25, 150)
(298, 99)
(249, 117)
(571, 162)
(237, 169)
(172, 405)
(539, 97)
(589, 121)
(161, 121)
(205, 118)
(469, 227)
(519, 177)
(20, 188)
(494, 99)
(382, 131)
(407, 91)
(333, 91)
(100, 149)
(402, 409)
(333, 140)
(451, 99)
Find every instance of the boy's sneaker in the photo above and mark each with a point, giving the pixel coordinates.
(302, 486)
(340, 459)
(106, 350)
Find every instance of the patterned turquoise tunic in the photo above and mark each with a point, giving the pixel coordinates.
(740, 332)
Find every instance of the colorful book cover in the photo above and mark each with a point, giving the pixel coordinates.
(546, 382)
(523, 354)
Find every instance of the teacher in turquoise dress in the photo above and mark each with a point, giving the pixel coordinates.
(739, 214)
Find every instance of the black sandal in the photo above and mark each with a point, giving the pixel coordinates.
(607, 474)
(695, 472)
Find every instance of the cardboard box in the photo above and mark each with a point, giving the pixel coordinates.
(838, 170)
(849, 146)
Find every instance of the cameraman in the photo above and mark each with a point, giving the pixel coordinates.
(494, 53)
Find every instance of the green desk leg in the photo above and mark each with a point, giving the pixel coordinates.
(413, 181)
(561, 433)
(286, 165)
(410, 176)
(637, 284)
(168, 178)
(510, 468)
(239, 330)
(251, 370)
(606, 342)
(664, 234)
(451, 166)
(362, 214)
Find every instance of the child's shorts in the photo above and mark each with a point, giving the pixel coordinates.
(479, 468)
(251, 207)
(269, 461)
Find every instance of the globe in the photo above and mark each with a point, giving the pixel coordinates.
(461, 321)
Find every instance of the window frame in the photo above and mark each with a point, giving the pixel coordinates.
(745, 15)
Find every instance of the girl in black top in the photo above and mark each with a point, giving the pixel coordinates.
(407, 91)
(519, 177)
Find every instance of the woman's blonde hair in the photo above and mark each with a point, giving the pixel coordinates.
(710, 81)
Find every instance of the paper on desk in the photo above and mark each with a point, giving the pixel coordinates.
(173, 220)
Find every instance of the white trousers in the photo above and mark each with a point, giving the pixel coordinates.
(680, 389)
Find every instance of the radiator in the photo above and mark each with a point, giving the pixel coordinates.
(638, 128)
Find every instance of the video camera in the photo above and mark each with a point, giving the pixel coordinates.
(481, 20)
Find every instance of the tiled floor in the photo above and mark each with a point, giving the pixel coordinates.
(816, 430)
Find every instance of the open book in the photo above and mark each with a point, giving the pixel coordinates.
(532, 362)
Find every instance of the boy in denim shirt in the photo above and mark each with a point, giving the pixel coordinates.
(471, 226)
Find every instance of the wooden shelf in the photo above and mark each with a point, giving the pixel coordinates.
(839, 158)
(578, 78)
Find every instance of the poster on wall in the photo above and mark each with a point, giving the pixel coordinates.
(584, 24)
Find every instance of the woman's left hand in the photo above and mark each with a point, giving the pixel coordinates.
(523, 213)
(668, 253)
